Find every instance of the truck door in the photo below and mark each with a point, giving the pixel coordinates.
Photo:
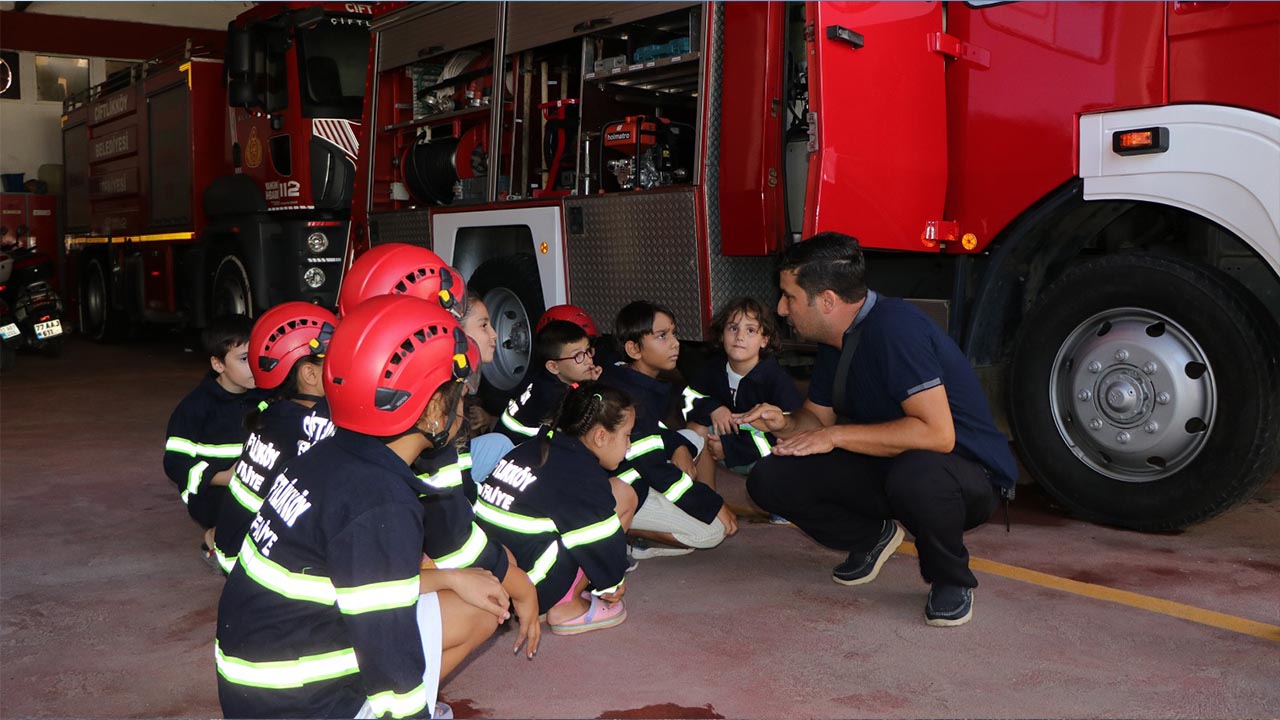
(878, 150)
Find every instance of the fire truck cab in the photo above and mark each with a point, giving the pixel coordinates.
(1085, 195)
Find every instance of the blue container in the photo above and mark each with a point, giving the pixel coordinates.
(12, 182)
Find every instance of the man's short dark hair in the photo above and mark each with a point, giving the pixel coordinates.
(635, 321)
(555, 337)
(225, 332)
(828, 261)
(748, 307)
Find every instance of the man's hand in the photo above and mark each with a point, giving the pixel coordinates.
(683, 459)
(728, 519)
(480, 588)
(812, 442)
(722, 421)
(766, 417)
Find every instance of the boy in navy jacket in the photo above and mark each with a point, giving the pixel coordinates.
(568, 359)
(206, 430)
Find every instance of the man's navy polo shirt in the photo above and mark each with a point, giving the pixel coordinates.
(903, 352)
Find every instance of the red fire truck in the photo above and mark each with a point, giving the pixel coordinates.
(196, 187)
(1086, 195)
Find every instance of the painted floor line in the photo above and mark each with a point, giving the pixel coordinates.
(1123, 597)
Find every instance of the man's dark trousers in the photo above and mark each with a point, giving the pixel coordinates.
(841, 499)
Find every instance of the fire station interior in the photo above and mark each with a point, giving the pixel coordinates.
(107, 611)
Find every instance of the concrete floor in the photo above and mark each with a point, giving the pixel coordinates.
(106, 611)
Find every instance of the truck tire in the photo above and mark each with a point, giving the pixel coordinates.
(513, 296)
(1144, 392)
(100, 320)
(232, 294)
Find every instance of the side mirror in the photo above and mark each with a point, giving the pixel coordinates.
(240, 70)
(306, 19)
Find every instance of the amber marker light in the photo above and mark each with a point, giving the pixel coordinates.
(1143, 141)
(543, 248)
(968, 241)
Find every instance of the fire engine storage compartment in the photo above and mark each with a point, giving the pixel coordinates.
(135, 154)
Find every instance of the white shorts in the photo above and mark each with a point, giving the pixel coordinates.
(658, 514)
(695, 438)
(431, 632)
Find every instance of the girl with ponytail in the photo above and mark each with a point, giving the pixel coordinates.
(554, 504)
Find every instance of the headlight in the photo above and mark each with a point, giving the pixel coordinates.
(317, 242)
(313, 277)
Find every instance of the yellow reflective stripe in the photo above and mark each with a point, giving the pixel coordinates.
(399, 704)
(513, 522)
(757, 437)
(387, 595)
(468, 553)
(464, 461)
(607, 591)
(514, 426)
(681, 486)
(592, 533)
(629, 476)
(194, 475)
(277, 579)
(243, 495)
(226, 563)
(285, 674)
(644, 446)
(194, 449)
(444, 478)
(690, 397)
(544, 563)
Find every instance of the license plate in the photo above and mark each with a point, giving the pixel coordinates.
(48, 329)
(9, 331)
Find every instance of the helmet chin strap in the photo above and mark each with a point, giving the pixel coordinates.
(438, 439)
(305, 396)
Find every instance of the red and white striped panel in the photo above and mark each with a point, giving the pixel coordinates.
(339, 132)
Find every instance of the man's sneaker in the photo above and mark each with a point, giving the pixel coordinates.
(861, 568)
(948, 605)
(642, 549)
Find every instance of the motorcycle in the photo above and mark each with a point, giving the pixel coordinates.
(32, 308)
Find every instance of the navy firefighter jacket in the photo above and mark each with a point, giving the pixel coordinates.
(287, 429)
(452, 538)
(536, 406)
(648, 460)
(320, 613)
(205, 436)
(709, 389)
(555, 516)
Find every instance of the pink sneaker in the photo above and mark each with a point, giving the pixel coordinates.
(602, 614)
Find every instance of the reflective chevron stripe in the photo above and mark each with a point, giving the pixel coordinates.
(592, 533)
(444, 478)
(399, 704)
(274, 577)
(644, 446)
(679, 488)
(511, 521)
(468, 553)
(194, 476)
(514, 425)
(387, 595)
(247, 498)
(285, 674)
(690, 397)
(194, 449)
(544, 563)
(757, 437)
(629, 476)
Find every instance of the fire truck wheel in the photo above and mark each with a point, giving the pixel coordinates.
(100, 321)
(513, 297)
(1145, 394)
(231, 292)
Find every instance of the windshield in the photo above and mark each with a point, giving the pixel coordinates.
(333, 59)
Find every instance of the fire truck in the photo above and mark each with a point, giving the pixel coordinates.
(197, 187)
(1085, 195)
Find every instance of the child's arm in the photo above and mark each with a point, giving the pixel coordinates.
(524, 596)
(189, 463)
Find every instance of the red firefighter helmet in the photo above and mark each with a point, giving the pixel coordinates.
(284, 335)
(570, 313)
(401, 269)
(387, 358)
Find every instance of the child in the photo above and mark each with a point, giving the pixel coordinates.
(402, 269)
(734, 380)
(286, 355)
(206, 430)
(572, 313)
(674, 509)
(480, 448)
(551, 502)
(329, 612)
(567, 357)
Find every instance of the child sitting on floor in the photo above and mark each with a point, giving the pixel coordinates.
(552, 502)
(568, 359)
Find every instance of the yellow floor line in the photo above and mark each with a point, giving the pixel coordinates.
(1132, 599)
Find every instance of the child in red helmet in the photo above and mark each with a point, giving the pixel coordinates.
(329, 611)
(286, 355)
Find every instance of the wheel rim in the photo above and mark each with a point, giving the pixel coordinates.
(95, 298)
(1133, 395)
(231, 296)
(515, 340)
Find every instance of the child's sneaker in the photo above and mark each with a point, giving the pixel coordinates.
(776, 519)
(642, 549)
(210, 558)
(632, 562)
(442, 711)
(602, 614)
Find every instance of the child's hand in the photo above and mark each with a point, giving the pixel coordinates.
(764, 416)
(715, 447)
(722, 421)
(480, 588)
(530, 627)
(729, 520)
(616, 595)
(683, 459)
(221, 478)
